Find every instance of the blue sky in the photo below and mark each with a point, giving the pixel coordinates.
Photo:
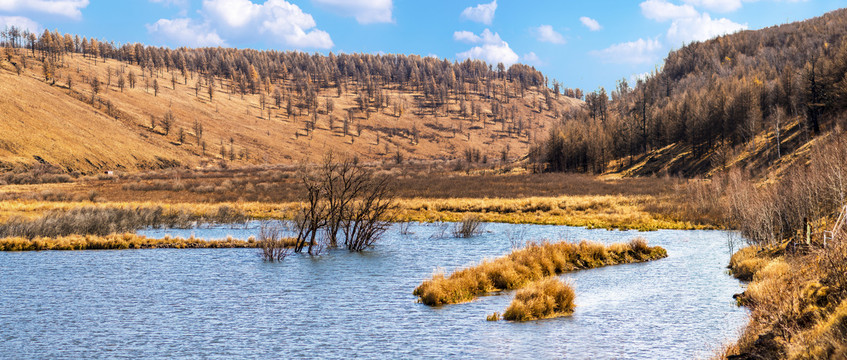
(584, 44)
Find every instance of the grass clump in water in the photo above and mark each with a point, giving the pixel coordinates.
(548, 298)
(534, 262)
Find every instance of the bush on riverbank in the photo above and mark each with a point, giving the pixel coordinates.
(544, 299)
(534, 262)
(797, 302)
(120, 242)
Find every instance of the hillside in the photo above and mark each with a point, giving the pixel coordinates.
(263, 108)
(754, 99)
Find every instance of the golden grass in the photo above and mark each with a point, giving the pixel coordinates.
(545, 299)
(745, 263)
(609, 211)
(120, 242)
(593, 211)
(534, 262)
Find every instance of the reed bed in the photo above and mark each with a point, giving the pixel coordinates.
(534, 262)
(121, 242)
(545, 299)
(96, 220)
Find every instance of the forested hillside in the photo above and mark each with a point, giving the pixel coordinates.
(86, 105)
(749, 98)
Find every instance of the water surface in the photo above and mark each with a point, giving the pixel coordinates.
(227, 303)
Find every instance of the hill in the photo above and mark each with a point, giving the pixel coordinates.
(755, 99)
(89, 106)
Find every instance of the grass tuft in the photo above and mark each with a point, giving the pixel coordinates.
(544, 299)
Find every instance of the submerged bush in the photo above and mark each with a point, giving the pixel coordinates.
(273, 246)
(471, 225)
(534, 262)
(544, 299)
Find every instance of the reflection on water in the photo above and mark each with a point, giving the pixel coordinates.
(227, 303)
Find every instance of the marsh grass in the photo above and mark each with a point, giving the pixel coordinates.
(95, 220)
(120, 242)
(534, 262)
(543, 299)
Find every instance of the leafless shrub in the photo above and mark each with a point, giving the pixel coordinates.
(37, 174)
(516, 235)
(440, 230)
(273, 246)
(471, 225)
(405, 228)
(344, 198)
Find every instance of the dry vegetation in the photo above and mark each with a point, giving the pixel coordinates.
(797, 302)
(274, 192)
(534, 262)
(797, 291)
(102, 221)
(121, 242)
(757, 96)
(545, 299)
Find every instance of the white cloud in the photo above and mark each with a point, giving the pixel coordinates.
(67, 8)
(466, 37)
(661, 10)
(19, 22)
(365, 11)
(184, 32)
(590, 23)
(545, 33)
(701, 28)
(687, 23)
(633, 52)
(492, 48)
(288, 22)
(722, 6)
(233, 13)
(531, 58)
(482, 13)
(278, 20)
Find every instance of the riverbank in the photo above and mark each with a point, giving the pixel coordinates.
(797, 301)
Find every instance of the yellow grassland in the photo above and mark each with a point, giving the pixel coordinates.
(63, 127)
